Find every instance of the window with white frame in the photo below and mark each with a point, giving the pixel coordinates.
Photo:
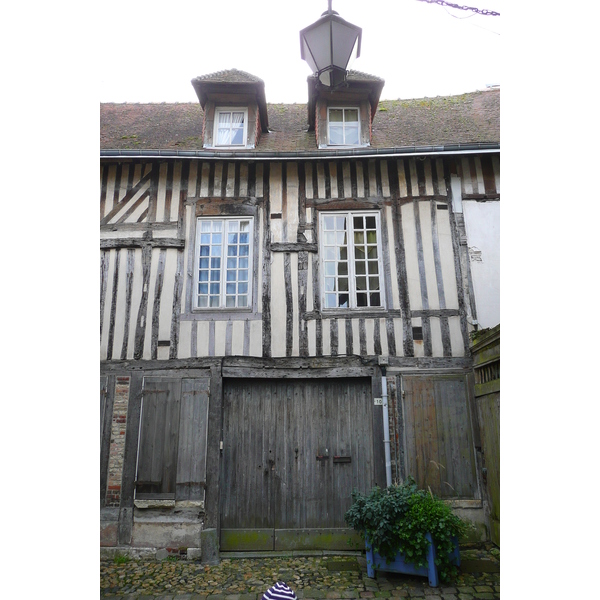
(224, 263)
(343, 126)
(231, 126)
(351, 265)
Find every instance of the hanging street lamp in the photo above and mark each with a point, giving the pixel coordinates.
(328, 45)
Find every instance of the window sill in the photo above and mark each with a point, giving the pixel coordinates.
(368, 312)
(341, 146)
(230, 148)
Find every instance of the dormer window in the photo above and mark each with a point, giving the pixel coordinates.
(231, 126)
(343, 127)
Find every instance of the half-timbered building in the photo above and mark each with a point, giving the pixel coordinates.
(287, 297)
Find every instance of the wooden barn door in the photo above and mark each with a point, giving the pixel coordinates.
(438, 435)
(293, 452)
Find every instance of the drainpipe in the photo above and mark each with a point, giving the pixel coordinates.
(386, 426)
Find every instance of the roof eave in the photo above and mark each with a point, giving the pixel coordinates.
(252, 155)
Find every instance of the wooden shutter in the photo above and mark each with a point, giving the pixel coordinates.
(438, 435)
(193, 429)
(159, 438)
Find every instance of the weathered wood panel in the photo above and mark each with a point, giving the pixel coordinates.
(159, 436)
(193, 431)
(281, 439)
(438, 436)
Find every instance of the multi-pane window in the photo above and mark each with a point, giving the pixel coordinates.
(231, 127)
(343, 126)
(224, 263)
(351, 260)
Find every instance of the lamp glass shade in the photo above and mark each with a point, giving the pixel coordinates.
(328, 45)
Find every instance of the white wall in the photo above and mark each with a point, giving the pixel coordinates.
(482, 222)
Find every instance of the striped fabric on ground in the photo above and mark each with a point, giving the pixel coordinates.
(280, 591)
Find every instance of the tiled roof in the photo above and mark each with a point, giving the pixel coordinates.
(468, 118)
(230, 76)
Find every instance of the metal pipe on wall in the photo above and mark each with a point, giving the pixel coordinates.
(386, 429)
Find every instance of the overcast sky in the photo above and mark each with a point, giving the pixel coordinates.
(154, 49)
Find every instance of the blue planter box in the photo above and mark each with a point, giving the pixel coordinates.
(375, 562)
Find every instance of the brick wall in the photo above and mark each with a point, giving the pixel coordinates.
(117, 442)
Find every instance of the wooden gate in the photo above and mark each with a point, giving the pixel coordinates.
(293, 452)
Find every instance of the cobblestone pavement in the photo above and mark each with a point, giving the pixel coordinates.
(326, 577)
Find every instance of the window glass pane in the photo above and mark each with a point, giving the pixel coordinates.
(242, 301)
(211, 273)
(330, 301)
(224, 118)
(237, 137)
(361, 283)
(359, 222)
(336, 115)
(373, 283)
(351, 135)
(244, 250)
(359, 268)
(372, 251)
(244, 238)
(343, 284)
(342, 268)
(373, 267)
(371, 237)
(330, 268)
(359, 237)
(343, 302)
(361, 300)
(336, 135)
(375, 299)
(328, 223)
(351, 115)
(371, 222)
(329, 284)
(223, 137)
(330, 253)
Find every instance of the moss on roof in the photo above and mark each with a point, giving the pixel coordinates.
(466, 118)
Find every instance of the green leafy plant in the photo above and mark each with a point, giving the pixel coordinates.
(120, 559)
(398, 518)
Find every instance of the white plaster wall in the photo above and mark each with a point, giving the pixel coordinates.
(482, 223)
